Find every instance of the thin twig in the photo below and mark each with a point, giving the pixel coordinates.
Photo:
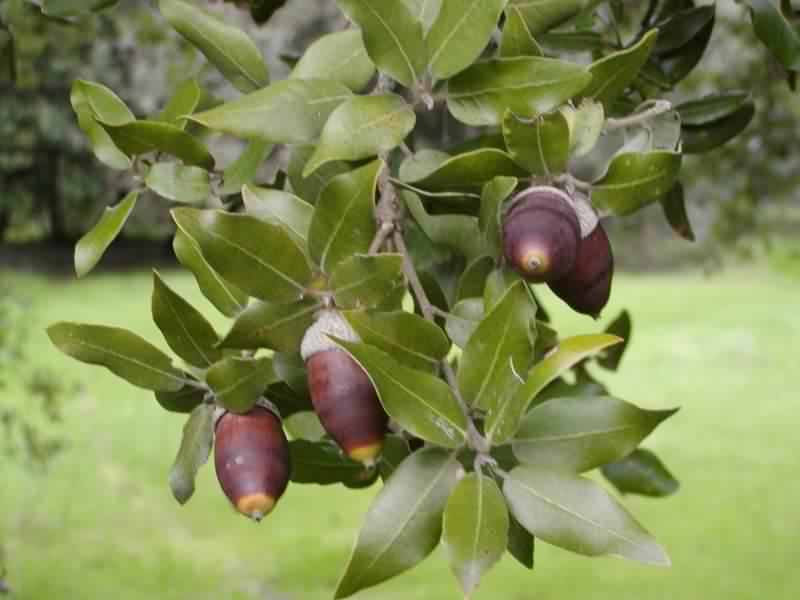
(384, 231)
(659, 107)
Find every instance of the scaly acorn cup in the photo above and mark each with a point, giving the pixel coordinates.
(541, 233)
(251, 457)
(343, 396)
(587, 287)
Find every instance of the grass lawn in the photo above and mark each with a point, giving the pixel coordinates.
(101, 523)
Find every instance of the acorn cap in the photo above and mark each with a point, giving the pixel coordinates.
(587, 217)
(329, 322)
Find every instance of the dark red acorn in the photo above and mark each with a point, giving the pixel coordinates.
(588, 286)
(341, 392)
(251, 457)
(541, 234)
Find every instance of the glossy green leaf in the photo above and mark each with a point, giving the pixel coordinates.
(392, 36)
(87, 99)
(91, 247)
(581, 433)
(641, 473)
(473, 279)
(276, 206)
(185, 400)
(185, 329)
(497, 352)
(421, 164)
(339, 56)
(612, 74)
(570, 352)
(493, 196)
(343, 223)
(586, 125)
(309, 188)
(636, 179)
(469, 171)
(463, 320)
(424, 11)
(226, 47)
(291, 369)
(711, 108)
(702, 138)
(674, 207)
(141, 137)
(188, 185)
(395, 451)
(687, 34)
(122, 352)
(238, 383)
(409, 338)
(562, 42)
(226, 297)
(415, 496)
(287, 400)
(543, 15)
(475, 529)
(578, 515)
(422, 404)
(305, 425)
(541, 145)
(460, 33)
(196, 442)
(275, 326)
(324, 464)
(362, 127)
(292, 111)
(497, 285)
(520, 543)
(184, 101)
(243, 170)
(105, 105)
(457, 232)
(259, 258)
(517, 38)
(528, 86)
(620, 327)
(363, 281)
(776, 32)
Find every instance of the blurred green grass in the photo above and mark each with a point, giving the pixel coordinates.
(102, 524)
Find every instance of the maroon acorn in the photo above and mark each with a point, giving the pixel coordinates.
(341, 392)
(251, 457)
(588, 286)
(541, 234)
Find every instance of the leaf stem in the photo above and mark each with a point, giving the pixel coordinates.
(659, 107)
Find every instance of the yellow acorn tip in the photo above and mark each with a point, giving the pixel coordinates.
(366, 455)
(255, 506)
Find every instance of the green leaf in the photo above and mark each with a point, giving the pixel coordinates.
(275, 206)
(415, 496)
(185, 329)
(275, 326)
(493, 195)
(185, 400)
(585, 127)
(517, 38)
(324, 464)
(620, 327)
(776, 32)
(460, 33)
(424, 11)
(226, 297)
(543, 15)
(576, 514)
(188, 185)
(362, 127)
(343, 223)
(612, 74)
(674, 207)
(237, 383)
(196, 443)
(702, 138)
(582, 433)
(409, 338)
(422, 404)
(363, 281)
(122, 352)
(141, 137)
(473, 279)
(463, 320)
(683, 40)
(91, 247)
(570, 351)
(528, 86)
(395, 451)
(184, 101)
(392, 36)
(8, 55)
(339, 56)
(520, 543)
(475, 530)
(305, 425)
(540, 146)
(458, 232)
(309, 188)
(292, 111)
(421, 164)
(260, 258)
(497, 351)
(636, 179)
(226, 47)
(469, 171)
(91, 102)
(243, 170)
(642, 473)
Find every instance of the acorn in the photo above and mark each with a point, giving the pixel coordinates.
(541, 233)
(587, 287)
(341, 392)
(251, 457)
